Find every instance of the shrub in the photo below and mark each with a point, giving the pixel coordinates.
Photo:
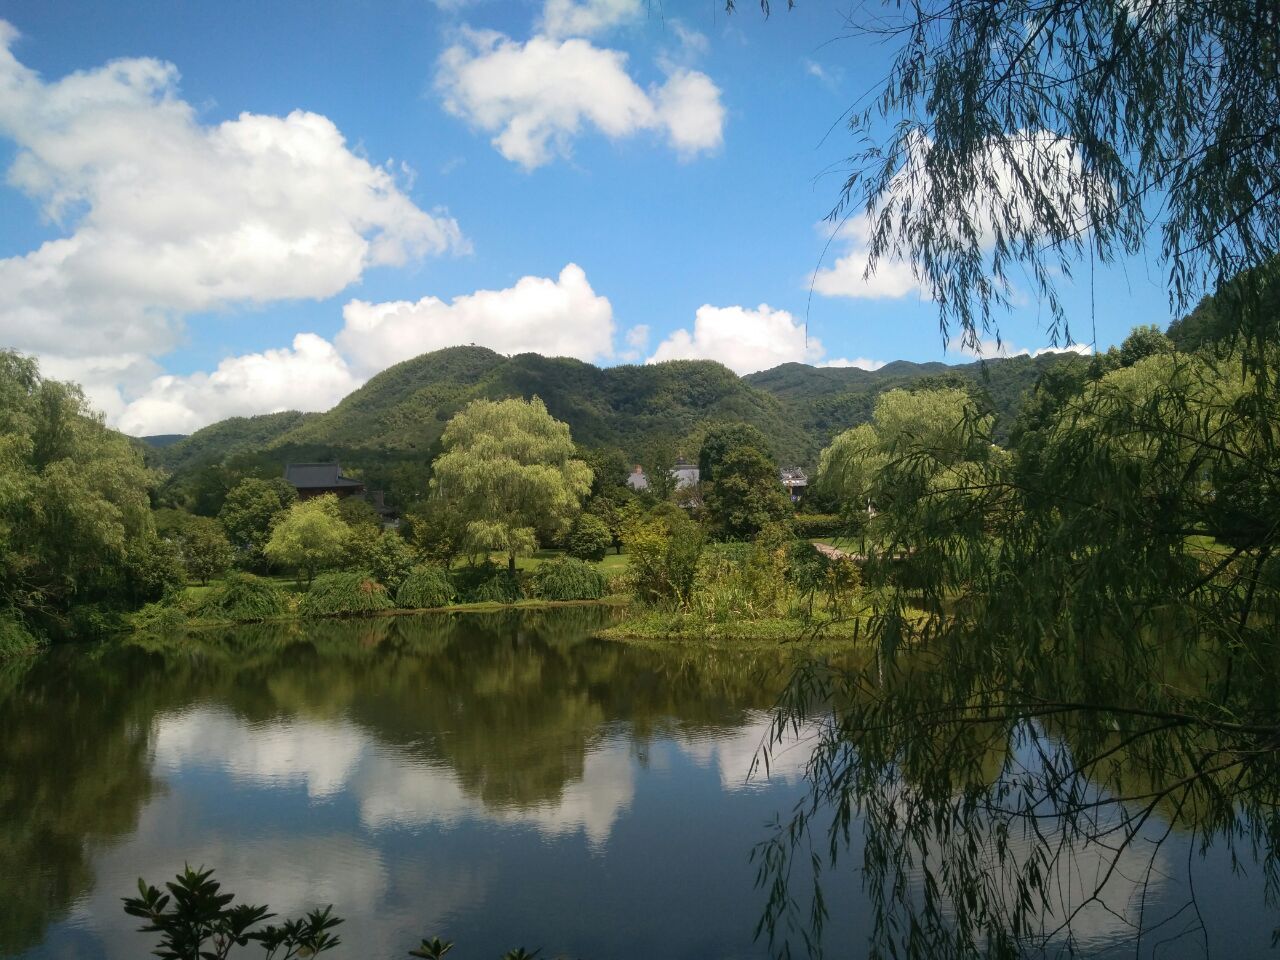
(807, 525)
(425, 586)
(566, 578)
(243, 597)
(15, 639)
(486, 583)
(344, 593)
(665, 551)
(160, 619)
(389, 558)
(589, 539)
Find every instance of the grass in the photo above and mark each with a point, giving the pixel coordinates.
(649, 626)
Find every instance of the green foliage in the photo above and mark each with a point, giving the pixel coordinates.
(567, 578)
(250, 510)
(242, 598)
(425, 586)
(15, 639)
(205, 549)
(310, 537)
(162, 619)
(491, 585)
(153, 568)
(197, 921)
(358, 514)
(508, 468)
(388, 558)
(808, 525)
(665, 549)
(342, 593)
(589, 539)
(435, 529)
(987, 156)
(1142, 342)
(719, 441)
(746, 495)
(73, 503)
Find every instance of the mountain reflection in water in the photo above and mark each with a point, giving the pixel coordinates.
(496, 779)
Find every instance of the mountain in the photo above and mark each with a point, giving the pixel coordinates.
(161, 440)
(389, 429)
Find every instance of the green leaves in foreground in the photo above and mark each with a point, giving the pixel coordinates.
(197, 921)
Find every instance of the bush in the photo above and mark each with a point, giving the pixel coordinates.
(807, 525)
(589, 539)
(485, 583)
(389, 558)
(665, 552)
(425, 586)
(243, 597)
(344, 593)
(566, 578)
(160, 619)
(15, 639)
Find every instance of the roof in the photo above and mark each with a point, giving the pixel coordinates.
(319, 476)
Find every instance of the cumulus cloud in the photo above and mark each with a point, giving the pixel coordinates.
(166, 215)
(744, 340)
(537, 96)
(1046, 160)
(561, 317)
(991, 349)
(569, 18)
(310, 376)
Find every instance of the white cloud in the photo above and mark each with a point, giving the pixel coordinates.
(990, 349)
(310, 376)
(536, 97)
(743, 340)
(568, 18)
(1046, 160)
(167, 215)
(862, 363)
(562, 317)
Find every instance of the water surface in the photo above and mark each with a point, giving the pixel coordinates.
(494, 779)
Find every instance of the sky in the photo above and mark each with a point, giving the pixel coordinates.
(213, 210)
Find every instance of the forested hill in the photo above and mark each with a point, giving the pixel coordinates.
(398, 416)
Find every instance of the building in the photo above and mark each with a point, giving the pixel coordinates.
(795, 482)
(684, 473)
(316, 479)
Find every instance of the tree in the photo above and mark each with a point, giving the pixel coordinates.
(250, 509)
(720, 440)
(589, 539)
(73, 499)
(1142, 342)
(509, 468)
(436, 529)
(1022, 137)
(310, 537)
(388, 557)
(746, 495)
(205, 548)
(610, 469)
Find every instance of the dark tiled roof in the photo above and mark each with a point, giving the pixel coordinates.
(312, 476)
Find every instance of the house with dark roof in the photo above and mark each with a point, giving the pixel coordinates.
(316, 479)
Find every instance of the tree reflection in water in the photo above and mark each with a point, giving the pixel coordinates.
(999, 822)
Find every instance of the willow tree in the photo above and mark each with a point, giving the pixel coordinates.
(1105, 624)
(1022, 139)
(509, 469)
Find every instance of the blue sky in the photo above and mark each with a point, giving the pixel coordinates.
(232, 208)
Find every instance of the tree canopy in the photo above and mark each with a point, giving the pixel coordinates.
(1031, 136)
(510, 469)
(75, 516)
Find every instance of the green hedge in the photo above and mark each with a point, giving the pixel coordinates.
(808, 525)
(425, 586)
(568, 579)
(243, 597)
(344, 594)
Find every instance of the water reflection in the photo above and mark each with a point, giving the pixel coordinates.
(420, 771)
(502, 779)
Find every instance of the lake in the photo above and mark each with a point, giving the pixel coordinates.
(496, 779)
